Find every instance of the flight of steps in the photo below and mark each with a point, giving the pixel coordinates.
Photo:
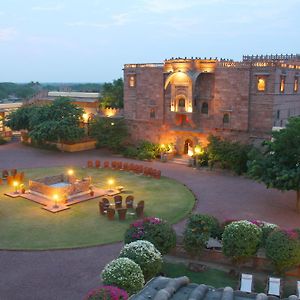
(182, 160)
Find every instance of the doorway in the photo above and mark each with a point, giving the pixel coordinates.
(188, 145)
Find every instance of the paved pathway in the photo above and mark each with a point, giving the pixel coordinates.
(69, 274)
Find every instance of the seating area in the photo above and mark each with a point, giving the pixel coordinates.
(124, 166)
(116, 206)
(12, 176)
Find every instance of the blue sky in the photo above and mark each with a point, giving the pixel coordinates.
(91, 40)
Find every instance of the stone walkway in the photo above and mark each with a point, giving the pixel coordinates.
(69, 274)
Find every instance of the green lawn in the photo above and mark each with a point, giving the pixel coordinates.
(212, 277)
(24, 225)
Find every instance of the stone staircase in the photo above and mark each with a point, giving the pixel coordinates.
(182, 160)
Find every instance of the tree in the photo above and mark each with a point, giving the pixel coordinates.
(110, 133)
(112, 94)
(278, 166)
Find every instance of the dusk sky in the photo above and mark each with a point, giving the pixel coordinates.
(90, 41)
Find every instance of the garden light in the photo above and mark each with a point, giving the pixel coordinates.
(16, 184)
(70, 172)
(55, 199)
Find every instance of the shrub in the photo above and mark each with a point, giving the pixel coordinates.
(241, 240)
(198, 231)
(154, 230)
(266, 228)
(283, 249)
(107, 292)
(145, 255)
(125, 274)
(2, 140)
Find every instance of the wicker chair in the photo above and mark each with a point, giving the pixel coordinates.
(89, 164)
(106, 164)
(122, 213)
(13, 172)
(129, 201)
(111, 213)
(118, 201)
(139, 210)
(5, 173)
(97, 164)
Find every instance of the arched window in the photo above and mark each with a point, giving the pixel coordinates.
(204, 108)
(181, 102)
(152, 113)
(261, 84)
(225, 118)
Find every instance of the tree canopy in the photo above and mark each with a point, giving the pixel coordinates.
(112, 94)
(59, 121)
(278, 166)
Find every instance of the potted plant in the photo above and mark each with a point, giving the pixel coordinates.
(91, 190)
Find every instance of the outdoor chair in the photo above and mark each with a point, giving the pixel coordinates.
(129, 201)
(13, 172)
(102, 208)
(5, 173)
(125, 166)
(131, 167)
(106, 202)
(111, 213)
(1, 181)
(157, 174)
(122, 213)
(274, 286)
(119, 165)
(106, 164)
(139, 210)
(97, 164)
(113, 164)
(89, 164)
(246, 283)
(18, 177)
(146, 171)
(118, 201)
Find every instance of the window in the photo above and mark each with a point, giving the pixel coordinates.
(261, 84)
(131, 81)
(282, 84)
(278, 114)
(204, 108)
(181, 102)
(225, 118)
(152, 113)
(296, 84)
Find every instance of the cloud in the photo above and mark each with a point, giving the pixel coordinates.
(121, 19)
(7, 34)
(87, 24)
(52, 7)
(159, 6)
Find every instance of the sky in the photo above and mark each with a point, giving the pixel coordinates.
(91, 40)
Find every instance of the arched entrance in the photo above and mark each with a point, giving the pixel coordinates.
(188, 145)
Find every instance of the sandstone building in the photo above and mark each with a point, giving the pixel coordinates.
(183, 100)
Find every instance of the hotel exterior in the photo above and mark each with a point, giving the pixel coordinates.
(183, 100)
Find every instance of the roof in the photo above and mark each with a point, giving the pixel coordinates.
(10, 106)
(164, 288)
(74, 94)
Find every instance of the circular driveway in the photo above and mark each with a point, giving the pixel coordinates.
(69, 274)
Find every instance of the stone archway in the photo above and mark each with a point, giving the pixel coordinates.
(188, 145)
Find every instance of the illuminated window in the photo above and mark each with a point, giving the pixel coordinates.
(225, 118)
(204, 108)
(152, 113)
(296, 84)
(181, 102)
(261, 84)
(282, 84)
(131, 80)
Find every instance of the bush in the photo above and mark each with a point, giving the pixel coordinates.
(125, 274)
(230, 155)
(283, 249)
(241, 240)
(266, 228)
(198, 231)
(130, 151)
(145, 255)
(154, 230)
(107, 292)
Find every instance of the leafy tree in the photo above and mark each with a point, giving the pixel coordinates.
(112, 94)
(21, 118)
(110, 133)
(278, 166)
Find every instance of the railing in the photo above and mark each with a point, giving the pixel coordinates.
(151, 65)
(271, 57)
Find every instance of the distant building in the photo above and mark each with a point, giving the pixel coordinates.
(88, 101)
(183, 100)
(5, 109)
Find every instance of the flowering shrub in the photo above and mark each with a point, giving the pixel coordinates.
(266, 228)
(198, 231)
(241, 240)
(154, 230)
(283, 249)
(107, 292)
(145, 255)
(125, 274)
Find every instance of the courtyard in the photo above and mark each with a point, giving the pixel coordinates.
(69, 274)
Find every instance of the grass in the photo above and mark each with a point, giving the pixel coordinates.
(24, 225)
(212, 277)
(221, 279)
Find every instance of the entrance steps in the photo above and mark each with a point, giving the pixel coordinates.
(181, 160)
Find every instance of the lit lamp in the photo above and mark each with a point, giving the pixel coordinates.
(70, 172)
(110, 182)
(85, 118)
(16, 184)
(197, 151)
(55, 199)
